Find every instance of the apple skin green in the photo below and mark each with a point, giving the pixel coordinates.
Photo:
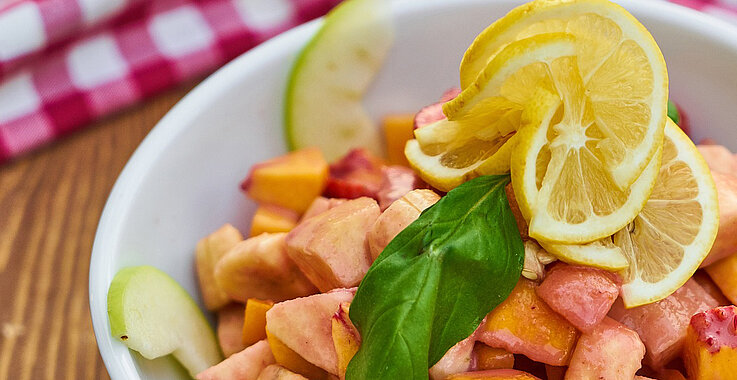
(323, 102)
(153, 315)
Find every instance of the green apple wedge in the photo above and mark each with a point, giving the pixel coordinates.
(153, 315)
(324, 98)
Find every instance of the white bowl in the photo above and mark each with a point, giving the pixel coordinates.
(182, 182)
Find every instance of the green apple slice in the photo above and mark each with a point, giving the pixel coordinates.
(153, 315)
(323, 106)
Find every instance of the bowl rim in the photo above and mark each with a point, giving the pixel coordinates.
(101, 268)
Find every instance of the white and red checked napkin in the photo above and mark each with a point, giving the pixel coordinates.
(66, 63)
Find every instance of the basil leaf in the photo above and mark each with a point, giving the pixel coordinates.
(673, 113)
(434, 283)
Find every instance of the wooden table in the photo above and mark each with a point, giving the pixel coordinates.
(50, 203)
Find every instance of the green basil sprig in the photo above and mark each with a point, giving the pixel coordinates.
(434, 283)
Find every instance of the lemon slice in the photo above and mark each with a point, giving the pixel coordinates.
(620, 81)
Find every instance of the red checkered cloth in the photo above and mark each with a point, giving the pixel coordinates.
(65, 63)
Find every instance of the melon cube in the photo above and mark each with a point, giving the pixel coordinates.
(209, 251)
(710, 351)
(719, 159)
(525, 324)
(230, 325)
(724, 274)
(320, 205)
(492, 357)
(397, 131)
(254, 320)
(270, 218)
(582, 295)
(608, 351)
(246, 364)
(397, 181)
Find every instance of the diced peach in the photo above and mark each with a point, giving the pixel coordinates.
(704, 280)
(357, 174)
(305, 326)
(710, 351)
(662, 325)
(260, 268)
(397, 181)
(246, 364)
(230, 325)
(457, 359)
(582, 295)
(292, 181)
(555, 372)
(670, 374)
(320, 205)
(330, 248)
(724, 274)
(525, 324)
(434, 112)
(726, 240)
(254, 324)
(518, 217)
(397, 131)
(277, 372)
(270, 218)
(209, 251)
(643, 378)
(346, 338)
(397, 217)
(494, 374)
(719, 159)
(292, 361)
(608, 351)
(492, 357)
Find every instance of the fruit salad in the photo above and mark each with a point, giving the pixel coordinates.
(548, 219)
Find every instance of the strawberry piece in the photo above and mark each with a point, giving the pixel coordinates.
(357, 174)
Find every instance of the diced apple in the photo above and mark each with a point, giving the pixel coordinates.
(525, 324)
(330, 248)
(434, 112)
(260, 268)
(704, 280)
(292, 181)
(397, 181)
(719, 159)
(270, 218)
(457, 359)
(305, 326)
(357, 174)
(397, 131)
(582, 295)
(710, 351)
(291, 360)
(555, 372)
(608, 351)
(230, 326)
(346, 338)
(492, 357)
(726, 240)
(494, 374)
(518, 217)
(397, 217)
(320, 205)
(662, 325)
(724, 274)
(277, 372)
(209, 251)
(254, 324)
(246, 364)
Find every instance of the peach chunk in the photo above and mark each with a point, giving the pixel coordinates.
(457, 359)
(494, 374)
(710, 351)
(525, 324)
(320, 205)
(260, 268)
(522, 226)
(396, 182)
(246, 364)
(726, 240)
(397, 131)
(397, 217)
(555, 372)
(305, 326)
(662, 325)
(582, 295)
(290, 181)
(719, 159)
(291, 360)
(724, 274)
(277, 372)
(330, 248)
(704, 280)
(492, 357)
(608, 351)
(230, 325)
(209, 251)
(346, 338)
(270, 218)
(357, 174)
(254, 323)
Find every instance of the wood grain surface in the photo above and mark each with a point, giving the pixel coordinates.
(50, 203)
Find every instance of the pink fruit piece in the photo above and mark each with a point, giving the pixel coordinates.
(710, 352)
(662, 325)
(608, 351)
(305, 326)
(246, 365)
(458, 359)
(230, 328)
(396, 182)
(320, 205)
(719, 159)
(277, 372)
(702, 278)
(434, 112)
(582, 295)
(726, 240)
(357, 174)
